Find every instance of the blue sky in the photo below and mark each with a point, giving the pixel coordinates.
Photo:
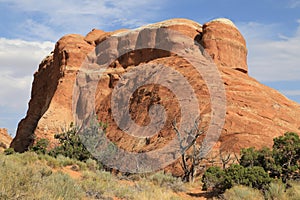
(30, 28)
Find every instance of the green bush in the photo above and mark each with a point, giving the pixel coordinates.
(9, 151)
(282, 161)
(258, 168)
(70, 146)
(286, 152)
(213, 179)
(263, 158)
(249, 157)
(40, 147)
(219, 180)
(254, 177)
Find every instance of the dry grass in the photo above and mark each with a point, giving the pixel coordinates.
(276, 191)
(31, 176)
(26, 176)
(242, 192)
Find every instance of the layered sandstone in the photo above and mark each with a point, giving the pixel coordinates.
(255, 113)
(225, 44)
(5, 139)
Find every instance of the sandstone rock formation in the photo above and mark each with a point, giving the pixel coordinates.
(255, 113)
(5, 139)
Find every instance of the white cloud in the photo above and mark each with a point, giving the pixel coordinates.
(14, 91)
(37, 30)
(19, 58)
(18, 61)
(49, 20)
(271, 55)
(52, 19)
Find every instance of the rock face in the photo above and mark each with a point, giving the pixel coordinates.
(5, 139)
(50, 105)
(225, 44)
(255, 113)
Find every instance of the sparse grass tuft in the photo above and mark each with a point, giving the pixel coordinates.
(293, 193)
(167, 180)
(240, 192)
(276, 190)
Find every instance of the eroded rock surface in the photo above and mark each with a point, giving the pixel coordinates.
(5, 139)
(255, 113)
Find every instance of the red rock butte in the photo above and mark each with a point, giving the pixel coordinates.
(255, 113)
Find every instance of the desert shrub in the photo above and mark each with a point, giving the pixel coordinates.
(25, 176)
(286, 152)
(29, 176)
(70, 146)
(92, 164)
(242, 192)
(293, 192)
(104, 184)
(60, 186)
(96, 183)
(254, 177)
(282, 161)
(266, 169)
(213, 179)
(276, 190)
(219, 180)
(146, 190)
(167, 180)
(249, 157)
(263, 158)
(40, 147)
(65, 161)
(9, 151)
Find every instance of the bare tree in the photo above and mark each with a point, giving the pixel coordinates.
(190, 160)
(225, 158)
(237, 158)
(227, 154)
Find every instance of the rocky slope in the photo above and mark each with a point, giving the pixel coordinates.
(255, 113)
(5, 139)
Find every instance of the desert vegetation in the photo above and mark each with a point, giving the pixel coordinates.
(274, 173)
(38, 176)
(70, 172)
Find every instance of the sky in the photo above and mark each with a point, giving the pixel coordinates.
(30, 28)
